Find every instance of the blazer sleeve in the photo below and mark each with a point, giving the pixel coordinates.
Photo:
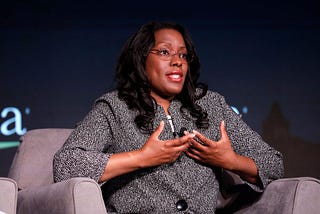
(83, 154)
(249, 143)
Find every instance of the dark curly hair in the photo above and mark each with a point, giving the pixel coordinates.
(133, 85)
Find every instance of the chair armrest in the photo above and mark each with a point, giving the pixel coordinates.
(8, 195)
(289, 195)
(73, 196)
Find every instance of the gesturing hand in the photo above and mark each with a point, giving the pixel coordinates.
(155, 151)
(215, 153)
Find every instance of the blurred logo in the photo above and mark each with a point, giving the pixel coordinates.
(11, 124)
(244, 110)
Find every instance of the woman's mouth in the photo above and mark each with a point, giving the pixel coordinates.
(175, 76)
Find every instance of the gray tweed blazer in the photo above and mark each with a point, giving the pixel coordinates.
(109, 128)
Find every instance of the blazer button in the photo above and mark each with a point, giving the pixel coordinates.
(181, 205)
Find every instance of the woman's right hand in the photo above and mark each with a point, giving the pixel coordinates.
(153, 153)
(156, 152)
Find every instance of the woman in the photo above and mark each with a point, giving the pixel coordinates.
(157, 141)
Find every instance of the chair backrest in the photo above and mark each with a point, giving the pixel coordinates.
(32, 163)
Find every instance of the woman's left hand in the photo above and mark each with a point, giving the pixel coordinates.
(214, 153)
(221, 154)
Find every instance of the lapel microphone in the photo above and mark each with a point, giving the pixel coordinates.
(175, 134)
(181, 132)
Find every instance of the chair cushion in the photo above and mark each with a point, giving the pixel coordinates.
(72, 196)
(289, 195)
(32, 164)
(8, 195)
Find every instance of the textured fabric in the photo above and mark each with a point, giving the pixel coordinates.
(32, 164)
(307, 192)
(8, 195)
(73, 196)
(288, 196)
(109, 128)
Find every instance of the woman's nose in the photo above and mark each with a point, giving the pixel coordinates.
(176, 60)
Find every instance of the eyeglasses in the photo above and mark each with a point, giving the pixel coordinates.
(167, 54)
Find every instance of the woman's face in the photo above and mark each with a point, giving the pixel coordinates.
(166, 65)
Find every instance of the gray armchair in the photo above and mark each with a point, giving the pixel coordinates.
(32, 170)
(8, 195)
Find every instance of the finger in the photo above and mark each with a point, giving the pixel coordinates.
(193, 154)
(186, 132)
(223, 131)
(200, 138)
(198, 145)
(183, 140)
(158, 130)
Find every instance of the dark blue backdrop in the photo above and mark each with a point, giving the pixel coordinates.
(57, 57)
